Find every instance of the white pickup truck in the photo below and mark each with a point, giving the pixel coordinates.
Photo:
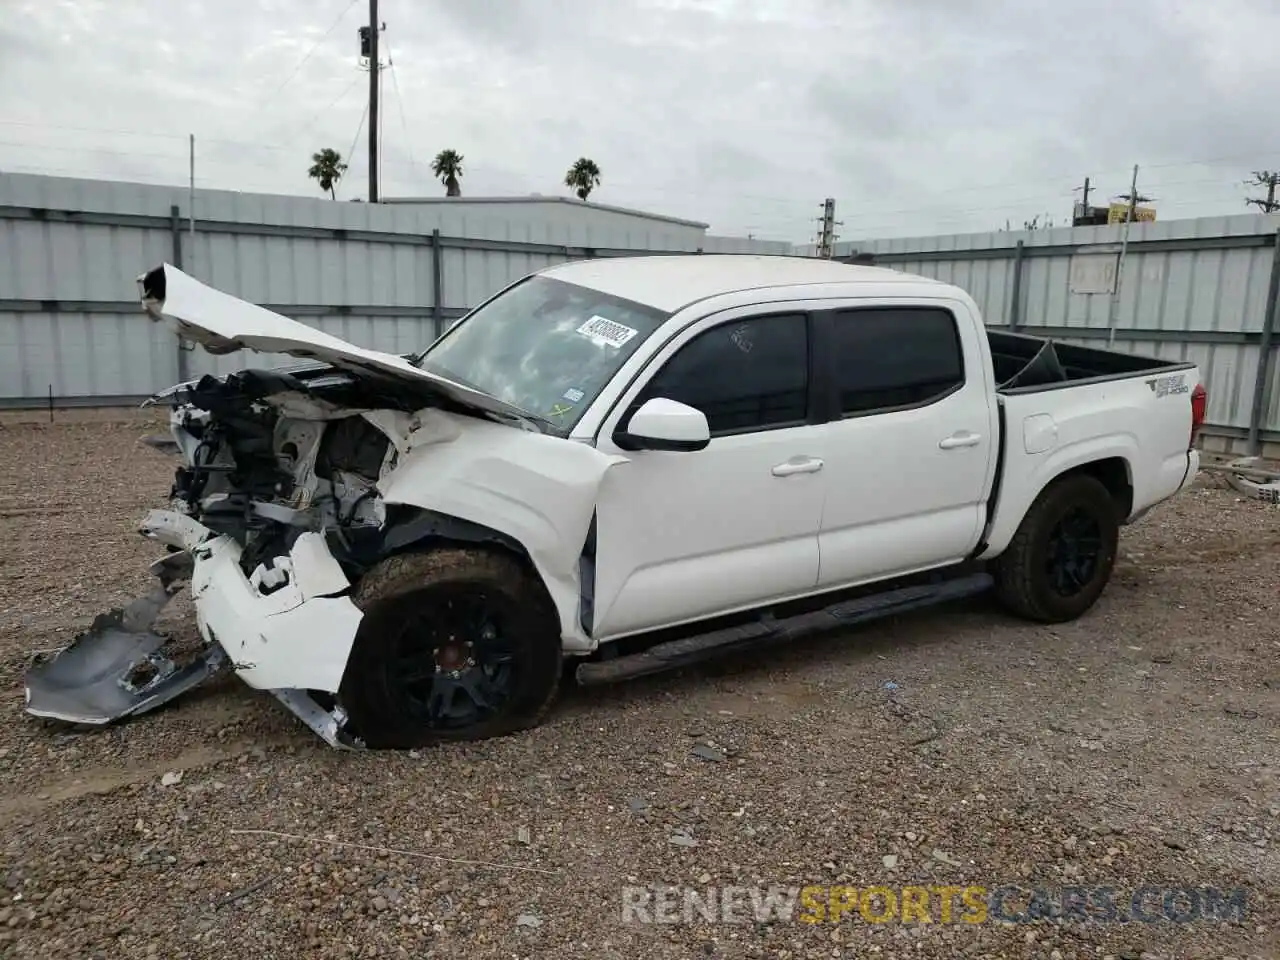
(617, 465)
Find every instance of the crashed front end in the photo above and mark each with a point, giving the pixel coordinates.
(274, 510)
(296, 482)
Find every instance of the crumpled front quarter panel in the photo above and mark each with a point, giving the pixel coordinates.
(539, 490)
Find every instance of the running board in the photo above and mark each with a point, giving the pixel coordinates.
(768, 629)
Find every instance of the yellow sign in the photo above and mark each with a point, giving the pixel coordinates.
(1117, 213)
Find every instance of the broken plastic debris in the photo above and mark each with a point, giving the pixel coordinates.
(118, 667)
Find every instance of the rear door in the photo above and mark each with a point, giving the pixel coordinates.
(913, 439)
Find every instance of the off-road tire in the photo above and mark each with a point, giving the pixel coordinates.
(379, 714)
(1022, 582)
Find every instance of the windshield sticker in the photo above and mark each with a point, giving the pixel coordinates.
(606, 333)
(741, 340)
(560, 409)
(573, 396)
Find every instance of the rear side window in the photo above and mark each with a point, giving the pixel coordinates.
(745, 375)
(894, 357)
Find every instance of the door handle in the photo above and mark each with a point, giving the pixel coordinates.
(964, 439)
(798, 465)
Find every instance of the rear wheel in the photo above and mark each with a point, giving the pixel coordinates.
(455, 644)
(1063, 552)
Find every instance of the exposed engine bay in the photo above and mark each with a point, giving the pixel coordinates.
(264, 473)
(278, 479)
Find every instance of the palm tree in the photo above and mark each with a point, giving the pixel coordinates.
(583, 177)
(448, 167)
(328, 168)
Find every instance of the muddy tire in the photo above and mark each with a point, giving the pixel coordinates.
(455, 644)
(1063, 552)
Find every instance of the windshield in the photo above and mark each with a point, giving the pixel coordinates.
(545, 346)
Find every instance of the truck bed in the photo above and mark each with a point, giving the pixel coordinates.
(1028, 364)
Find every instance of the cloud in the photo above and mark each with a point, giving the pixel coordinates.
(919, 117)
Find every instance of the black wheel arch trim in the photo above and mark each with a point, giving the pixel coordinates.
(408, 526)
(407, 529)
(1088, 468)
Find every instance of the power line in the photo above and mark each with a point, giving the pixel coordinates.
(870, 219)
(404, 125)
(761, 219)
(329, 106)
(1065, 178)
(354, 141)
(873, 214)
(310, 53)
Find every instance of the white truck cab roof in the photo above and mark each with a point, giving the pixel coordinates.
(674, 281)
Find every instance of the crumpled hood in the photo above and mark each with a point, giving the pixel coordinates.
(224, 324)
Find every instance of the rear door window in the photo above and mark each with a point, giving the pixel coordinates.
(888, 358)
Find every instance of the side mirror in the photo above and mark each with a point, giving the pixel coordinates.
(662, 424)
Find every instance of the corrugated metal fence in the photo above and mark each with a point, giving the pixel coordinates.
(389, 277)
(1199, 290)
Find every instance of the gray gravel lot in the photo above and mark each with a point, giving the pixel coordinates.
(1137, 746)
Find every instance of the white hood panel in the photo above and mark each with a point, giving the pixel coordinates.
(223, 324)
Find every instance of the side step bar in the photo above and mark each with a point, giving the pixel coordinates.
(678, 653)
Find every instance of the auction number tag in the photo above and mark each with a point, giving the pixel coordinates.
(606, 333)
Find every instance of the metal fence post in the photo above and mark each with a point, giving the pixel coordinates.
(1015, 303)
(1262, 381)
(175, 232)
(437, 282)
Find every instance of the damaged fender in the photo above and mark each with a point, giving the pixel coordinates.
(538, 490)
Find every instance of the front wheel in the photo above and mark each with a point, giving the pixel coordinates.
(1062, 555)
(455, 644)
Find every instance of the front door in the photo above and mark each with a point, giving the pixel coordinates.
(682, 536)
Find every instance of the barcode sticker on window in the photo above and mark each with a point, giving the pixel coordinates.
(606, 333)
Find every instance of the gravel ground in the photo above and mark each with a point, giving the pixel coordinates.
(1136, 746)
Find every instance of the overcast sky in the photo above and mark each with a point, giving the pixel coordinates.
(919, 116)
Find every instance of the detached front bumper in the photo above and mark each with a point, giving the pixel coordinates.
(287, 629)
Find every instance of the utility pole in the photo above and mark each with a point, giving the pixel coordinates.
(827, 237)
(1134, 198)
(1082, 211)
(374, 28)
(191, 200)
(1124, 248)
(1268, 179)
